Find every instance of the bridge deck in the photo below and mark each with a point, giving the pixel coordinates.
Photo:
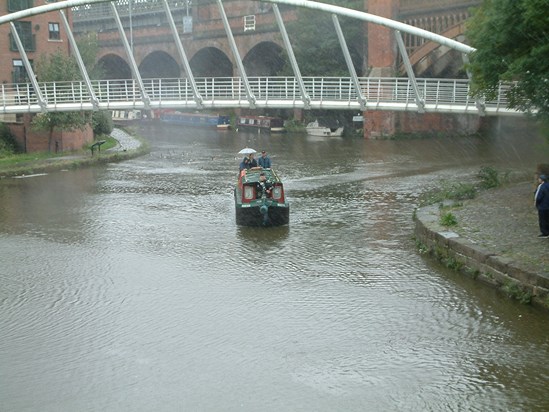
(439, 95)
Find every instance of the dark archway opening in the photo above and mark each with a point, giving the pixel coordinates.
(159, 65)
(114, 67)
(264, 59)
(211, 62)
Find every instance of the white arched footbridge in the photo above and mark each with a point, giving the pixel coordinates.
(339, 93)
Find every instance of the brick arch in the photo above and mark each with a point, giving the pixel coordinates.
(114, 66)
(246, 45)
(424, 58)
(159, 64)
(264, 59)
(440, 24)
(211, 62)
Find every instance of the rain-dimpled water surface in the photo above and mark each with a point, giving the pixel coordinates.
(129, 287)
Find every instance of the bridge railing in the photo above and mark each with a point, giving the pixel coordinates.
(442, 95)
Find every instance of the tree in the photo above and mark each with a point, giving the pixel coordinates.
(318, 52)
(512, 42)
(88, 47)
(54, 68)
(58, 67)
(316, 46)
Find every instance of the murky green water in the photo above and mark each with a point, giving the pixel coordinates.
(130, 288)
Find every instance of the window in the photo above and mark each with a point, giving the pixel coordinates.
(249, 22)
(17, 5)
(24, 30)
(19, 73)
(53, 29)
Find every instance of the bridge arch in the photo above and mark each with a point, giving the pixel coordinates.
(159, 64)
(434, 60)
(211, 62)
(114, 67)
(264, 59)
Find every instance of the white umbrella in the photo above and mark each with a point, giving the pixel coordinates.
(247, 150)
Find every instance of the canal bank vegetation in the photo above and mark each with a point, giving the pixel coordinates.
(450, 195)
(466, 264)
(453, 193)
(439, 233)
(15, 163)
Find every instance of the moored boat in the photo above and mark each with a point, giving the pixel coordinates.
(260, 202)
(316, 129)
(125, 117)
(196, 119)
(271, 124)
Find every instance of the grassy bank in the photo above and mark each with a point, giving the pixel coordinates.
(45, 162)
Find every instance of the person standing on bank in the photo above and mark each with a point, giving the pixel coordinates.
(264, 161)
(542, 204)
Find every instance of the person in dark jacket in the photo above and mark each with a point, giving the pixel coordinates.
(253, 162)
(263, 187)
(542, 204)
(248, 162)
(244, 164)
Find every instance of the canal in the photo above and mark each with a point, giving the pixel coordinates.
(129, 287)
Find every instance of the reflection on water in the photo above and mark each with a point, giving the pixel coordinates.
(129, 287)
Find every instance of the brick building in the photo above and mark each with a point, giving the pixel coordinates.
(40, 35)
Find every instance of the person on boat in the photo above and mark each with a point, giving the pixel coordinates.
(248, 162)
(263, 186)
(252, 161)
(264, 161)
(244, 164)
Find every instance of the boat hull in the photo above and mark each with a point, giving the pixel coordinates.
(196, 120)
(270, 124)
(259, 198)
(263, 215)
(324, 131)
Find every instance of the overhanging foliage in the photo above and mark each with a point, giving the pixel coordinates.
(512, 42)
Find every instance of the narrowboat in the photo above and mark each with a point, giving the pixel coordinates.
(271, 124)
(196, 119)
(259, 199)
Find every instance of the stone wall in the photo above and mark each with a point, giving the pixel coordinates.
(477, 262)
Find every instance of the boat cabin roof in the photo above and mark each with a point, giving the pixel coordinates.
(252, 175)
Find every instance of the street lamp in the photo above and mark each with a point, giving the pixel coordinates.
(131, 25)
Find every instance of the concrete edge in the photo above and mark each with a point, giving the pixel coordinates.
(477, 262)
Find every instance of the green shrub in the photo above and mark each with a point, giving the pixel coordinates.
(8, 145)
(461, 191)
(489, 177)
(453, 263)
(293, 125)
(102, 123)
(515, 291)
(448, 219)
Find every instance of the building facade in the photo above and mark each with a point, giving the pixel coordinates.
(40, 35)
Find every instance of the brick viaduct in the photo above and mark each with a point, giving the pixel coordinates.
(207, 48)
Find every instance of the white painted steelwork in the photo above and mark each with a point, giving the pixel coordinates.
(343, 93)
(337, 93)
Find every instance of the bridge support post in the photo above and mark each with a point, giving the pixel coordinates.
(382, 57)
